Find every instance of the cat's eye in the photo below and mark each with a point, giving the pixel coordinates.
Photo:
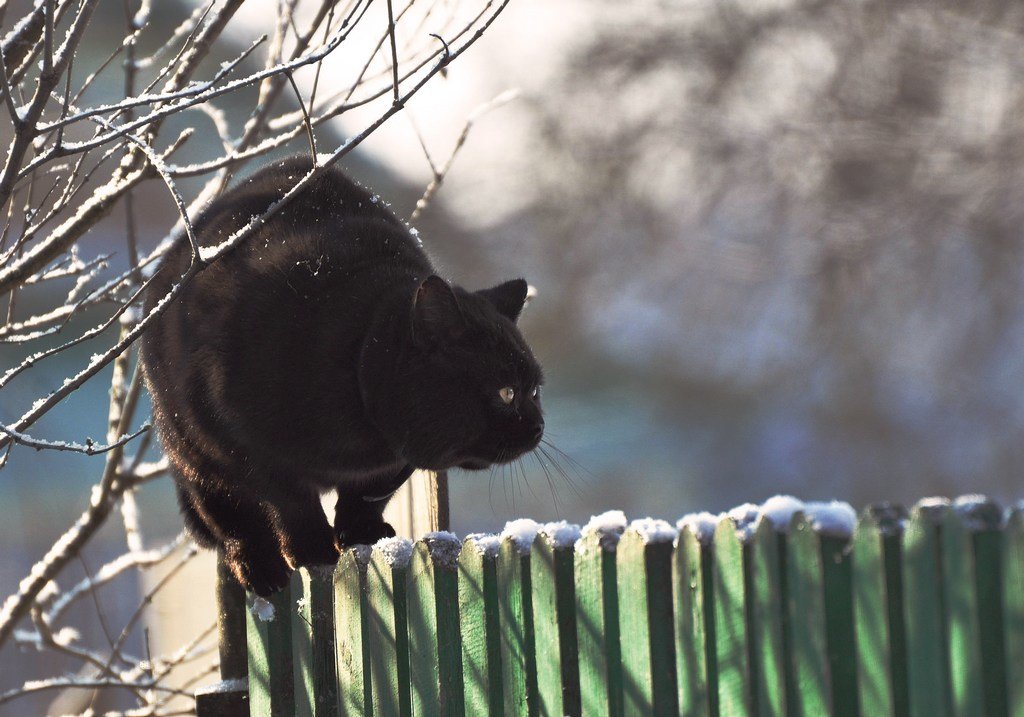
(507, 394)
(535, 392)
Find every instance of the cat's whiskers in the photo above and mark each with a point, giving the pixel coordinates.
(490, 489)
(547, 477)
(526, 480)
(570, 481)
(580, 470)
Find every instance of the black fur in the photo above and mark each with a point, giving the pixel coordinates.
(322, 353)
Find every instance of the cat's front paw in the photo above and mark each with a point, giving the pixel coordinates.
(261, 574)
(318, 549)
(362, 532)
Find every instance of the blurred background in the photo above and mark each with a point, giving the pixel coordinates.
(776, 244)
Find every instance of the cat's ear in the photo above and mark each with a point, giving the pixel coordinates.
(436, 311)
(508, 298)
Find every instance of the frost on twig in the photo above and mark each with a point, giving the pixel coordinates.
(72, 161)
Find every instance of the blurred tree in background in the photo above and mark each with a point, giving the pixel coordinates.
(812, 206)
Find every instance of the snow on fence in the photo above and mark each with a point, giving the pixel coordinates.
(779, 609)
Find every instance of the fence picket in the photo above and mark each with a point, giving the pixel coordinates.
(644, 571)
(878, 612)
(554, 620)
(971, 551)
(925, 613)
(435, 650)
(313, 651)
(386, 582)
(518, 647)
(837, 582)
(733, 653)
(352, 626)
(597, 625)
(807, 622)
(480, 626)
(271, 681)
(1013, 609)
(765, 619)
(695, 631)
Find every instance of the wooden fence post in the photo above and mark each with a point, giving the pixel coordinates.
(230, 697)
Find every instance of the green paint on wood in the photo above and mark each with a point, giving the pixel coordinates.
(962, 611)
(925, 613)
(313, 653)
(878, 612)
(971, 551)
(1013, 610)
(837, 581)
(988, 553)
(352, 626)
(735, 695)
(646, 624)
(271, 685)
(811, 697)
(764, 615)
(692, 644)
(597, 626)
(554, 621)
(435, 650)
(928, 622)
(480, 630)
(518, 648)
(388, 636)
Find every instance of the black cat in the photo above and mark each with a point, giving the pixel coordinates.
(324, 352)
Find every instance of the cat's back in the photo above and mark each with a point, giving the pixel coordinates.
(333, 223)
(264, 340)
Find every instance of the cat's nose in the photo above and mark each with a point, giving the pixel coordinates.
(538, 431)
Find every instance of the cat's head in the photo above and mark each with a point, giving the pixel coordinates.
(464, 388)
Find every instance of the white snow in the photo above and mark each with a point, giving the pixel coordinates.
(747, 518)
(608, 526)
(977, 512)
(362, 553)
(444, 547)
(487, 543)
(654, 530)
(933, 502)
(561, 534)
(521, 532)
(780, 509)
(702, 525)
(835, 518)
(238, 684)
(262, 609)
(396, 551)
(131, 316)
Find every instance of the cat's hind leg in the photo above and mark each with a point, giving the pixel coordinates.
(243, 525)
(195, 526)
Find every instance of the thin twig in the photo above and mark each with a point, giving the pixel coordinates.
(305, 117)
(394, 48)
(439, 175)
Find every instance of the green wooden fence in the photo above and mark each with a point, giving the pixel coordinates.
(771, 611)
